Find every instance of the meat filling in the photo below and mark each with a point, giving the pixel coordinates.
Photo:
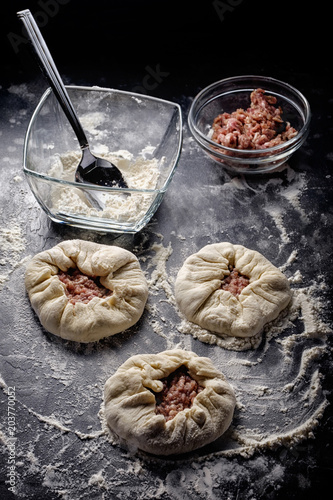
(259, 127)
(178, 393)
(82, 288)
(235, 282)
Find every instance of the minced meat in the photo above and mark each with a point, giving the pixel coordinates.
(259, 127)
(235, 282)
(178, 393)
(82, 288)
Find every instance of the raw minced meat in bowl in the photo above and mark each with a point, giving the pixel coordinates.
(250, 124)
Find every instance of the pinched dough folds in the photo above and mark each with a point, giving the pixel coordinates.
(130, 404)
(200, 298)
(119, 271)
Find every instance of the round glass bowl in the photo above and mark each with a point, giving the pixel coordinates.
(233, 93)
(144, 136)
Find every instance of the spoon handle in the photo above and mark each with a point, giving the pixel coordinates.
(50, 70)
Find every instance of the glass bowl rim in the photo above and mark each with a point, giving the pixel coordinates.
(107, 189)
(238, 154)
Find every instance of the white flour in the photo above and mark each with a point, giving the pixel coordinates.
(12, 244)
(139, 174)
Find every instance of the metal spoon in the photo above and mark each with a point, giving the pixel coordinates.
(91, 169)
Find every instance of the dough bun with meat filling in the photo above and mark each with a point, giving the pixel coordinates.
(230, 290)
(140, 387)
(110, 291)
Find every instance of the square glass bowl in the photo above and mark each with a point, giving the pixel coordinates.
(145, 133)
(233, 93)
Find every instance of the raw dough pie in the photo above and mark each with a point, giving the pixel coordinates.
(131, 396)
(203, 294)
(110, 273)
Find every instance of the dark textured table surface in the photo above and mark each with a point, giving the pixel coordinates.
(51, 390)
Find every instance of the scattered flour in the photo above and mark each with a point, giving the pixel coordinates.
(22, 90)
(271, 382)
(159, 276)
(292, 258)
(293, 194)
(277, 214)
(98, 479)
(276, 377)
(12, 245)
(266, 382)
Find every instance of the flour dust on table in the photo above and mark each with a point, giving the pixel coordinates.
(276, 375)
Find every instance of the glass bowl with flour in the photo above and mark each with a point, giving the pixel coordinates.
(140, 134)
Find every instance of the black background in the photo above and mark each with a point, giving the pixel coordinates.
(113, 41)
